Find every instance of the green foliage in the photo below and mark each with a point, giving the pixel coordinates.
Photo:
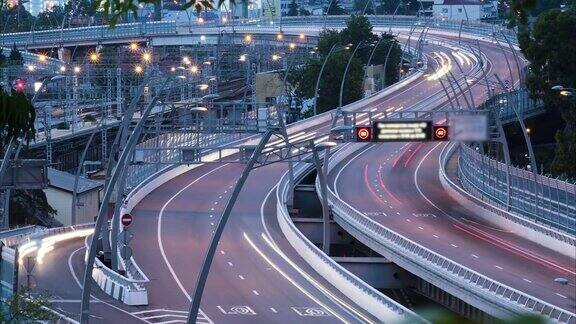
(22, 307)
(358, 31)
(2, 57)
(31, 207)
(15, 56)
(50, 19)
(400, 7)
(15, 19)
(548, 48)
(335, 9)
(17, 116)
(292, 8)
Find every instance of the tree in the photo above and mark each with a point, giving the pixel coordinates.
(546, 45)
(17, 115)
(2, 57)
(292, 9)
(335, 9)
(50, 19)
(23, 308)
(16, 57)
(364, 6)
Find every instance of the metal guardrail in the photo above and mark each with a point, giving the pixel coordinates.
(281, 194)
(59, 36)
(434, 267)
(447, 154)
(160, 28)
(508, 104)
(541, 199)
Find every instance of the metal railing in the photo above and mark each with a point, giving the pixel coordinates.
(445, 157)
(433, 267)
(544, 200)
(80, 34)
(161, 28)
(382, 300)
(509, 105)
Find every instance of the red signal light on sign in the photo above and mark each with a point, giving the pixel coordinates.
(363, 134)
(440, 133)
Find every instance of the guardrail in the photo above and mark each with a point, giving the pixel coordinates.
(163, 28)
(539, 233)
(59, 36)
(541, 199)
(509, 105)
(476, 289)
(370, 299)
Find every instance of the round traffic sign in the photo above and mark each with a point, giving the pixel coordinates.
(126, 220)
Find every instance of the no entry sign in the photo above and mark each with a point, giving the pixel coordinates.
(126, 220)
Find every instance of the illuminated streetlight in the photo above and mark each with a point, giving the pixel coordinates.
(302, 36)
(291, 46)
(94, 57)
(42, 58)
(138, 69)
(194, 69)
(77, 69)
(133, 47)
(31, 68)
(172, 69)
(186, 60)
(242, 58)
(147, 57)
(62, 69)
(528, 130)
(248, 38)
(200, 20)
(279, 36)
(224, 19)
(276, 57)
(203, 86)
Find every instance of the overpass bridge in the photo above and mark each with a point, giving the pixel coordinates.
(249, 246)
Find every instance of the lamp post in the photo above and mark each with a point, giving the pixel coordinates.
(322, 177)
(320, 75)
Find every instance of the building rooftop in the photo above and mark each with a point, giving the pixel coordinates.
(65, 181)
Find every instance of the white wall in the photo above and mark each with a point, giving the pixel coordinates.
(62, 202)
(458, 12)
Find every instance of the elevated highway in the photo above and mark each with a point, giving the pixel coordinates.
(257, 276)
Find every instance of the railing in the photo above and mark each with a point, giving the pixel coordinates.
(160, 28)
(433, 267)
(509, 105)
(390, 309)
(541, 199)
(58, 36)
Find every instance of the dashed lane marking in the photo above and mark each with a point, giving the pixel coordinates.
(561, 295)
(256, 292)
(454, 245)
(474, 256)
(241, 277)
(528, 281)
(436, 236)
(499, 267)
(273, 310)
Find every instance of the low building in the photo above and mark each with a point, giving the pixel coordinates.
(59, 196)
(465, 9)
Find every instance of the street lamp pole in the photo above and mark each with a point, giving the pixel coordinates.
(320, 76)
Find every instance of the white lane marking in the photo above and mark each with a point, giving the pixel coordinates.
(409, 221)
(398, 213)
(215, 203)
(222, 252)
(212, 209)
(256, 293)
(159, 231)
(474, 256)
(273, 310)
(211, 224)
(561, 295)
(211, 215)
(420, 227)
(159, 310)
(80, 285)
(528, 281)
(436, 236)
(230, 264)
(241, 277)
(220, 197)
(270, 241)
(499, 267)
(454, 245)
(164, 315)
(290, 279)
